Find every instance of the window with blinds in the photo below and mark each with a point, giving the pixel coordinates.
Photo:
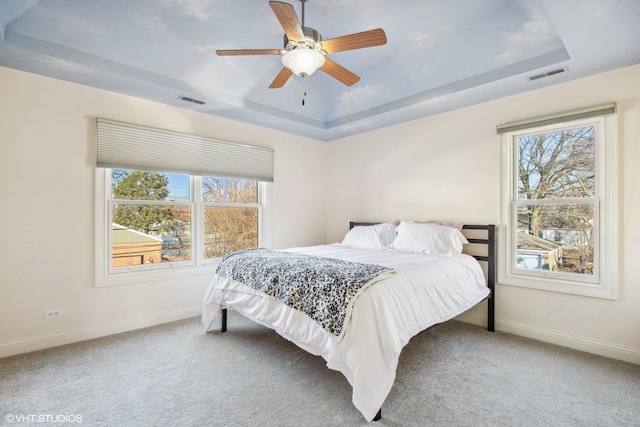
(170, 204)
(558, 203)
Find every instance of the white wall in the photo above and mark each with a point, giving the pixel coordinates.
(445, 167)
(47, 187)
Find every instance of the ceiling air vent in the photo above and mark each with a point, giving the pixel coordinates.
(195, 101)
(547, 74)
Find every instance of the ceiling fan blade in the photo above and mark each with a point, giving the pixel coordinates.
(369, 38)
(338, 72)
(234, 52)
(287, 17)
(281, 78)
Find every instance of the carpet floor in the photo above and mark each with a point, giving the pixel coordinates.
(453, 374)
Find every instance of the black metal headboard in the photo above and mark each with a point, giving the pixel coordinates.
(489, 258)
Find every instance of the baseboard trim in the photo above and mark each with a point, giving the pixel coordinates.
(601, 348)
(42, 342)
(576, 342)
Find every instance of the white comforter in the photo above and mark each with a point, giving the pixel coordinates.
(425, 291)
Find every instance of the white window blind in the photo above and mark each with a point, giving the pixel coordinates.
(559, 118)
(129, 146)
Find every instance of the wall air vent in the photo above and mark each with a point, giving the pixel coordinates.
(195, 101)
(547, 74)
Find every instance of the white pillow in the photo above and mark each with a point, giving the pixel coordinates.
(429, 238)
(377, 236)
(457, 225)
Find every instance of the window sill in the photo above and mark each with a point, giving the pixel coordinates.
(129, 277)
(566, 287)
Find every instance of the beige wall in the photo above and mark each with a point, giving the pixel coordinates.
(47, 187)
(446, 167)
(440, 167)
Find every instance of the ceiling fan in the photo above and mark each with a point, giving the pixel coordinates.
(304, 50)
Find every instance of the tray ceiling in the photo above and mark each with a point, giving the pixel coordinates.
(440, 55)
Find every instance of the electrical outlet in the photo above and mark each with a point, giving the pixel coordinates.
(53, 312)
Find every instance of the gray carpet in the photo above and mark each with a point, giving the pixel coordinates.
(453, 374)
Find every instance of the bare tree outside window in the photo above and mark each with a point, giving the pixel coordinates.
(230, 215)
(554, 203)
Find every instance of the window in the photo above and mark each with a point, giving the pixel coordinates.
(231, 215)
(558, 200)
(150, 214)
(155, 221)
(170, 204)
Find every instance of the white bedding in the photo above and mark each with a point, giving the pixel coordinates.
(425, 291)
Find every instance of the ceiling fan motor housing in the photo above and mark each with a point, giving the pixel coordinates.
(311, 38)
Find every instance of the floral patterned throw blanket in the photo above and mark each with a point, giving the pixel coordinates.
(325, 289)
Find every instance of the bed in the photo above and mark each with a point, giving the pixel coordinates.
(428, 274)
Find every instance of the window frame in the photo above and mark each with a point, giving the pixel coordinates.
(107, 275)
(603, 283)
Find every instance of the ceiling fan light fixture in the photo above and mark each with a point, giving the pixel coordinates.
(303, 61)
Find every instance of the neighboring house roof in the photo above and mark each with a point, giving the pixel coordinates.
(122, 234)
(533, 243)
